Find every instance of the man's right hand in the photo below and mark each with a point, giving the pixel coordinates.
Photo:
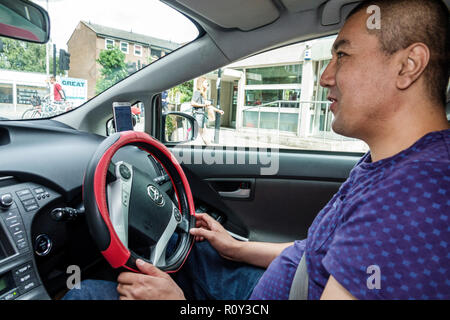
(208, 228)
(259, 254)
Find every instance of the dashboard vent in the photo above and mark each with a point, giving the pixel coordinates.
(4, 137)
(6, 181)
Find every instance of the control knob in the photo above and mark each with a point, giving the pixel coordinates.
(6, 200)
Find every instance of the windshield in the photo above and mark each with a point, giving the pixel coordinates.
(93, 45)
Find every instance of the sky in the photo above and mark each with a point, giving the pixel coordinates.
(148, 17)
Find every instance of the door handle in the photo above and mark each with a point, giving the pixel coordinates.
(233, 188)
(237, 194)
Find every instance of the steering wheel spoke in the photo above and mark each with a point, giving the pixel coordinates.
(183, 225)
(111, 173)
(118, 195)
(158, 251)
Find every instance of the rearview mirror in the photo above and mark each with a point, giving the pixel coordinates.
(178, 127)
(24, 20)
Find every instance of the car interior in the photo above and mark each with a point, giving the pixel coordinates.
(43, 162)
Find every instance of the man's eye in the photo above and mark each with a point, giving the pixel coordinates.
(340, 54)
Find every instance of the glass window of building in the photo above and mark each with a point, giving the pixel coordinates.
(137, 50)
(6, 93)
(284, 98)
(275, 75)
(25, 93)
(109, 43)
(155, 52)
(124, 47)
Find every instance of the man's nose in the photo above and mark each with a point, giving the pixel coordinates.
(328, 76)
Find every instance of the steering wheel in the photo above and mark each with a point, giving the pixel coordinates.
(129, 216)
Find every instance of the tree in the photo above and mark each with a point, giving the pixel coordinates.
(22, 56)
(113, 68)
(25, 56)
(185, 89)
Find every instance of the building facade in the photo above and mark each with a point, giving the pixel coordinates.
(88, 40)
(277, 90)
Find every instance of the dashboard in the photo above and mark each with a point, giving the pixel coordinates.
(42, 226)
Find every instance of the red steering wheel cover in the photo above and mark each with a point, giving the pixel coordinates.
(116, 253)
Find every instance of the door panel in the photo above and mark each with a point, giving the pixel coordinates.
(275, 208)
(282, 209)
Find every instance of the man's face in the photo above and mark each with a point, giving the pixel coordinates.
(360, 79)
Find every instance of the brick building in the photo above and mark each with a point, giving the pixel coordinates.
(88, 40)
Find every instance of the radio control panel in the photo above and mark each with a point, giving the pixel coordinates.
(18, 281)
(19, 203)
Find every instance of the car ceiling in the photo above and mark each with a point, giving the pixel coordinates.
(252, 14)
(251, 29)
(244, 15)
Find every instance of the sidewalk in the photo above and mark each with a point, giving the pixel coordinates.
(7, 111)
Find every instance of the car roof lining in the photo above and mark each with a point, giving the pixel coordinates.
(252, 14)
(298, 20)
(243, 15)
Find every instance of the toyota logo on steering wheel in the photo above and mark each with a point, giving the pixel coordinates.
(155, 195)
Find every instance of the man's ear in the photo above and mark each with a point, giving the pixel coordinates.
(413, 61)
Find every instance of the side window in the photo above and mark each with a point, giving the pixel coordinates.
(272, 99)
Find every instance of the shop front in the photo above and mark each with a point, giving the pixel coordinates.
(18, 90)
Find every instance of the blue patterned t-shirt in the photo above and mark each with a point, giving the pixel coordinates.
(384, 235)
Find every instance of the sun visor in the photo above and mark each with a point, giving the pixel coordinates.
(301, 5)
(332, 12)
(244, 15)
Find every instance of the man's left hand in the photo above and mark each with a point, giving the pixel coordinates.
(152, 284)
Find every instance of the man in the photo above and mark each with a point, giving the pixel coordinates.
(165, 101)
(58, 92)
(385, 234)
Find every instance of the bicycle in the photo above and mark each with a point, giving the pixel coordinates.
(46, 109)
(35, 110)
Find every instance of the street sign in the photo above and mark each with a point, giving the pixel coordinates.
(75, 89)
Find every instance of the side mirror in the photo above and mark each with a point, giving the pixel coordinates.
(24, 20)
(178, 127)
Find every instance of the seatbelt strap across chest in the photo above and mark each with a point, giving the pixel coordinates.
(299, 288)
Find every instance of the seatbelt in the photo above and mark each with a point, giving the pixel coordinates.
(299, 288)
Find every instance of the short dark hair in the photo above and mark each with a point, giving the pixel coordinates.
(424, 21)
